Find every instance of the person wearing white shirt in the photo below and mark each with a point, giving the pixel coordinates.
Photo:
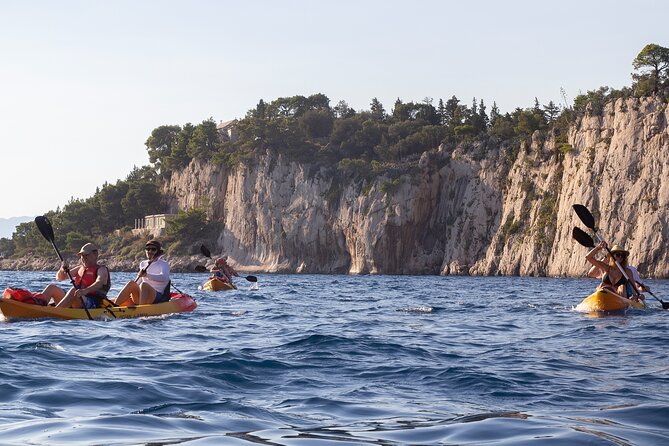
(152, 283)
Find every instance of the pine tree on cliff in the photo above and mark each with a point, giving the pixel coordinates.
(656, 59)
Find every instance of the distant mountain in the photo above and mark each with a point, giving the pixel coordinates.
(8, 225)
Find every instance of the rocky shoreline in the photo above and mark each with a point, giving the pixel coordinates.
(178, 264)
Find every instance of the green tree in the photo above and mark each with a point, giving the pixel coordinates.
(7, 247)
(178, 157)
(112, 215)
(441, 112)
(494, 113)
(317, 123)
(143, 198)
(551, 112)
(454, 112)
(343, 111)
(188, 226)
(528, 121)
(503, 127)
(160, 142)
(427, 112)
(377, 110)
(402, 111)
(79, 216)
(654, 59)
(27, 238)
(204, 141)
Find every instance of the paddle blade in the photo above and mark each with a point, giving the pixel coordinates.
(251, 278)
(45, 228)
(585, 216)
(582, 237)
(205, 252)
(201, 269)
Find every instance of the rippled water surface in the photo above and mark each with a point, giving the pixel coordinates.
(325, 360)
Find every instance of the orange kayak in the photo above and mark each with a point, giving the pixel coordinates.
(14, 309)
(605, 300)
(218, 285)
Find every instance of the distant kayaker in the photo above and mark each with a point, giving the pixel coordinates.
(612, 277)
(217, 274)
(152, 283)
(92, 282)
(222, 271)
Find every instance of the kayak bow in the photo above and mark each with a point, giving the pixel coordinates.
(218, 285)
(605, 300)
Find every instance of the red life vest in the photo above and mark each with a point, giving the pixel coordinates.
(88, 278)
(24, 296)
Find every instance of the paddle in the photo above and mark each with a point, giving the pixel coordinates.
(205, 252)
(45, 228)
(582, 237)
(587, 218)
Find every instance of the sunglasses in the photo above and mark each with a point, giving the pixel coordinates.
(151, 249)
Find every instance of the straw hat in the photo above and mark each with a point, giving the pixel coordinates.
(617, 249)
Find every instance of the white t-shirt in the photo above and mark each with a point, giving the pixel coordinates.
(157, 275)
(635, 274)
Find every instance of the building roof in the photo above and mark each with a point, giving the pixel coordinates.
(224, 125)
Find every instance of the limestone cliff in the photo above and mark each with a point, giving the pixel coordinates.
(479, 209)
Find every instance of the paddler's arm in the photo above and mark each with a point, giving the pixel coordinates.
(592, 257)
(594, 272)
(61, 274)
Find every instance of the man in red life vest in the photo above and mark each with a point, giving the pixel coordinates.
(92, 282)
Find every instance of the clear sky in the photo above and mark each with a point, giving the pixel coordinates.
(83, 83)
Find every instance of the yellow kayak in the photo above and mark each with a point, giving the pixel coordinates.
(14, 309)
(605, 300)
(218, 285)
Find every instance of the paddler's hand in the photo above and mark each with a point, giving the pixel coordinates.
(64, 266)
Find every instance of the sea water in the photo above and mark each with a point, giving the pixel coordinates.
(334, 360)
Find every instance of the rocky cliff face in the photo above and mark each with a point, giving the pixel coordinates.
(480, 209)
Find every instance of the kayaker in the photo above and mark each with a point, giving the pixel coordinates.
(152, 283)
(612, 277)
(597, 273)
(217, 274)
(92, 282)
(226, 270)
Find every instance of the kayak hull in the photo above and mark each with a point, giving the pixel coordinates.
(13, 309)
(218, 285)
(607, 301)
